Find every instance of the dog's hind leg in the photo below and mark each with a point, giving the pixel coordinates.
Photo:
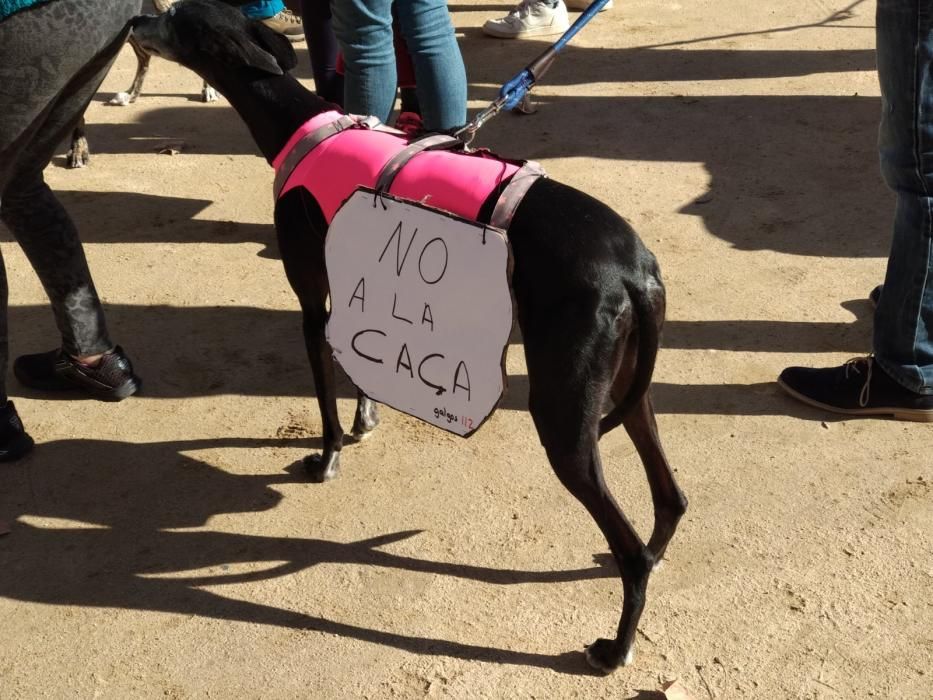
(79, 154)
(581, 473)
(641, 348)
(300, 228)
(208, 93)
(569, 378)
(579, 469)
(142, 68)
(669, 501)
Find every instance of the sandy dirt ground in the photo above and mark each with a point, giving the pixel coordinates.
(169, 545)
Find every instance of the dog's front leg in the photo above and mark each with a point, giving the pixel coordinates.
(324, 466)
(366, 418)
(301, 227)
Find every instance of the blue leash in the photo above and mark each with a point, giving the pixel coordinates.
(513, 92)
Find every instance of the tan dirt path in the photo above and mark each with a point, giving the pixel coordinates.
(167, 547)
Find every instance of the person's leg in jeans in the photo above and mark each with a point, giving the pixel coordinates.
(903, 335)
(440, 77)
(364, 30)
(322, 49)
(898, 378)
(409, 110)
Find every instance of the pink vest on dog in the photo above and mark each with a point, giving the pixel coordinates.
(454, 181)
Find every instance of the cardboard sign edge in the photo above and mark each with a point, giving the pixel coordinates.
(509, 268)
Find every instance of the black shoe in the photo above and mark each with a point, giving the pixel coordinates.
(874, 296)
(111, 380)
(858, 388)
(14, 442)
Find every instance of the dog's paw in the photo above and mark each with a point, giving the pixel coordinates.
(79, 155)
(320, 468)
(605, 656)
(209, 94)
(363, 428)
(366, 419)
(121, 99)
(606, 561)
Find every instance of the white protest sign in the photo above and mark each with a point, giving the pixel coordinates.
(420, 308)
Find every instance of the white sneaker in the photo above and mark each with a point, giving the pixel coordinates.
(530, 18)
(583, 4)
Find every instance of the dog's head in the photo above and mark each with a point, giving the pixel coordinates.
(212, 39)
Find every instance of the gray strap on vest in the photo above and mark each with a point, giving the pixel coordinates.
(433, 142)
(307, 143)
(513, 194)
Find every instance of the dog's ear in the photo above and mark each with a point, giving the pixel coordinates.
(237, 49)
(275, 43)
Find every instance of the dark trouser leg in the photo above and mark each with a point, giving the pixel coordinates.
(45, 231)
(323, 49)
(43, 51)
(50, 241)
(47, 79)
(4, 331)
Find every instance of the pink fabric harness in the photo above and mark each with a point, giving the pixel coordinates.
(339, 161)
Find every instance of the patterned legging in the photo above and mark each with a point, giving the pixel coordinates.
(52, 60)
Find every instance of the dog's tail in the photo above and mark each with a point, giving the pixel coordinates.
(648, 340)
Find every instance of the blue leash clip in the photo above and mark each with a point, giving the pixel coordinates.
(513, 92)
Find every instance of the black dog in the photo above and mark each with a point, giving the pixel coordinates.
(142, 67)
(589, 298)
(79, 154)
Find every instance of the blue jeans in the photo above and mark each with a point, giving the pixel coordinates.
(364, 30)
(262, 9)
(903, 331)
